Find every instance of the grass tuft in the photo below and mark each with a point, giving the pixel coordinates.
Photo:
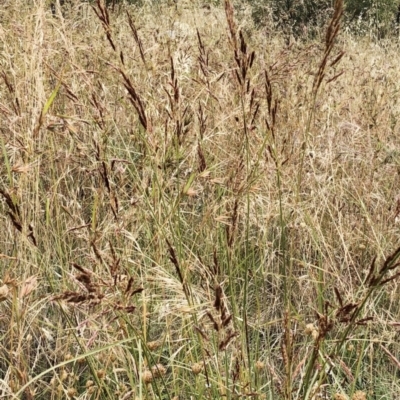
(195, 208)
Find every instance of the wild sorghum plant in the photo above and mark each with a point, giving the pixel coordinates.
(195, 208)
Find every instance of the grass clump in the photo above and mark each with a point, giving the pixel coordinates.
(191, 208)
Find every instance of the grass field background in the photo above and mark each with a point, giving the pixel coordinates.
(193, 208)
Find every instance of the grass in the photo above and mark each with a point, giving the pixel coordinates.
(191, 208)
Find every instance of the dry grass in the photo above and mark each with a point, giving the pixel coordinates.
(190, 208)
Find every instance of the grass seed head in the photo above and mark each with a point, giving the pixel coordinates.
(359, 395)
(154, 345)
(71, 392)
(158, 370)
(147, 376)
(197, 368)
(101, 373)
(260, 365)
(4, 292)
(64, 376)
(311, 330)
(89, 384)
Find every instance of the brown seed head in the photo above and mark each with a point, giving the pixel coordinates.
(197, 368)
(158, 370)
(260, 365)
(71, 392)
(147, 376)
(359, 395)
(153, 345)
(101, 373)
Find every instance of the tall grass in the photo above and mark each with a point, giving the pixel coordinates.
(192, 208)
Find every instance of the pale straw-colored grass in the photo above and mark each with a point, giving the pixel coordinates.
(181, 218)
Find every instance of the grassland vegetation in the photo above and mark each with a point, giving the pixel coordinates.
(196, 207)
